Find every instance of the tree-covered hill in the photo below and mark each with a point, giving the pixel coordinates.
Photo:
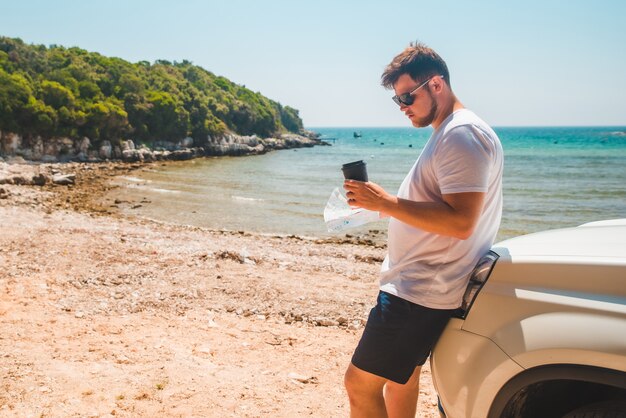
(52, 92)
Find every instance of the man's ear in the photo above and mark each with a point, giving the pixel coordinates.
(437, 84)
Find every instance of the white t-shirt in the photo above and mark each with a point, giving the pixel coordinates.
(463, 155)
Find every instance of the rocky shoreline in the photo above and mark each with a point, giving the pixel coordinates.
(83, 150)
(31, 163)
(83, 187)
(71, 186)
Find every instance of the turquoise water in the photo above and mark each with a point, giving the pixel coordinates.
(554, 177)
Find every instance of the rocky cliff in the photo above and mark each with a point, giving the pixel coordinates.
(83, 150)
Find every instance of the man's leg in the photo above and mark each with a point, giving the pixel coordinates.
(365, 391)
(401, 400)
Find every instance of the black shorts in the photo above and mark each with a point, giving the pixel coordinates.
(398, 337)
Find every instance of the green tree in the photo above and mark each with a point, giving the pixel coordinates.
(290, 118)
(15, 92)
(37, 118)
(105, 120)
(167, 118)
(56, 95)
(53, 91)
(89, 90)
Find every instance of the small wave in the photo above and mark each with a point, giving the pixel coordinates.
(245, 199)
(153, 189)
(144, 187)
(134, 179)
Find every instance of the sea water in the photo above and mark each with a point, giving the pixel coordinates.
(553, 177)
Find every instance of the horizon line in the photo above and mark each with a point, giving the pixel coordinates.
(493, 126)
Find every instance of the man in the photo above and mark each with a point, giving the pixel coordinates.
(444, 218)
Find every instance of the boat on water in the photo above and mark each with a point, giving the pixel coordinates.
(357, 134)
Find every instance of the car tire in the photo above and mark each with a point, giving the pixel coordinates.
(610, 409)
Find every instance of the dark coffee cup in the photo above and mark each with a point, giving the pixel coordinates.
(355, 171)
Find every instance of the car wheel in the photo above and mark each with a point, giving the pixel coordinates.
(610, 409)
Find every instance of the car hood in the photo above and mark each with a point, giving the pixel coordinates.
(603, 240)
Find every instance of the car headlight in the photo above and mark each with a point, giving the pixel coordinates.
(477, 280)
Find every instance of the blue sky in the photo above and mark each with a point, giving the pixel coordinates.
(530, 63)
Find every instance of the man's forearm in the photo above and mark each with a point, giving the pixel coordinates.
(456, 215)
(435, 217)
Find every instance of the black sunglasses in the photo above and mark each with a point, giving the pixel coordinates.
(407, 98)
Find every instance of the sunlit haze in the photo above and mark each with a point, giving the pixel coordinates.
(537, 63)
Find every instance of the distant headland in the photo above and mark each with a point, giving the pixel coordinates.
(68, 104)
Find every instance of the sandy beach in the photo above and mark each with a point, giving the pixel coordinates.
(108, 315)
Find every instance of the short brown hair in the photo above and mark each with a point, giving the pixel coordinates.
(418, 61)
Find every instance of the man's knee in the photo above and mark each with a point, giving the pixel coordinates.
(361, 383)
(351, 381)
(411, 384)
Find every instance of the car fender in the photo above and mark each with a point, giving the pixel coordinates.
(473, 369)
(565, 337)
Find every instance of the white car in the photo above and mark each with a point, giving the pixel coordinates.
(542, 329)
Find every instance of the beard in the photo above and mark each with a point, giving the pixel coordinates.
(428, 119)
